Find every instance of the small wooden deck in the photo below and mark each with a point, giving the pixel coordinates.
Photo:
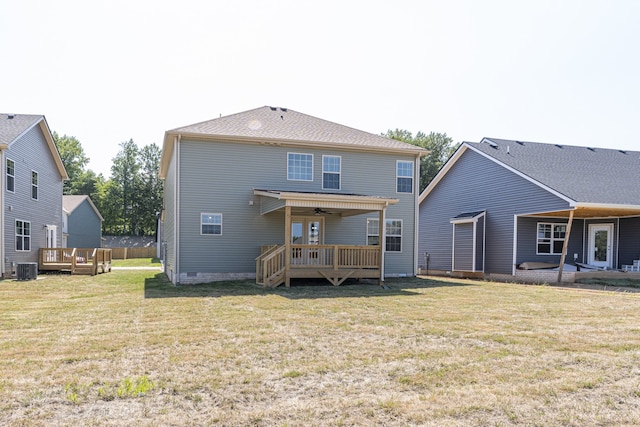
(89, 261)
(336, 263)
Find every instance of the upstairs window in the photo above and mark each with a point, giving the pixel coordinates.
(550, 238)
(34, 185)
(404, 177)
(23, 236)
(211, 223)
(331, 170)
(299, 167)
(11, 175)
(393, 231)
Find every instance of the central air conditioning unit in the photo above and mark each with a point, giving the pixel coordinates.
(27, 271)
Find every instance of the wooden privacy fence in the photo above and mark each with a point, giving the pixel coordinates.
(126, 253)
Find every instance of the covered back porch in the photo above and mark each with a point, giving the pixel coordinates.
(304, 253)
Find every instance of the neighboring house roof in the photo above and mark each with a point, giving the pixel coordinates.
(71, 202)
(581, 175)
(284, 126)
(13, 126)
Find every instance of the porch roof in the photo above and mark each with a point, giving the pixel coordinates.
(595, 211)
(311, 203)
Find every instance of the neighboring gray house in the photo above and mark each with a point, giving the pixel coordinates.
(500, 203)
(82, 222)
(31, 206)
(275, 194)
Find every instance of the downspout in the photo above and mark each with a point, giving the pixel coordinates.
(2, 214)
(416, 220)
(176, 213)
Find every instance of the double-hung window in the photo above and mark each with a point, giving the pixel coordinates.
(211, 223)
(23, 235)
(550, 238)
(11, 175)
(331, 170)
(404, 176)
(34, 185)
(299, 167)
(393, 231)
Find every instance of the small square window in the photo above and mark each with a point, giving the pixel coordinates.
(211, 223)
(299, 167)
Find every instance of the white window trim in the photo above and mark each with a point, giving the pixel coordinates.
(551, 240)
(413, 167)
(6, 173)
(339, 173)
(211, 214)
(15, 230)
(386, 234)
(302, 154)
(37, 186)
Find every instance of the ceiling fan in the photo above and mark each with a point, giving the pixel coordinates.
(320, 211)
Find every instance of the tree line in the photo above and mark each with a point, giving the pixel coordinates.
(130, 199)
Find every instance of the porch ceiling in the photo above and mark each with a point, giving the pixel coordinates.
(595, 212)
(303, 203)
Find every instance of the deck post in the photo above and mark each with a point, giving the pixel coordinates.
(565, 245)
(287, 245)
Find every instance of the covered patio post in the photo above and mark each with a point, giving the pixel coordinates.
(287, 245)
(383, 239)
(565, 245)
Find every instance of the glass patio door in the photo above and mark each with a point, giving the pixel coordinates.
(306, 231)
(600, 245)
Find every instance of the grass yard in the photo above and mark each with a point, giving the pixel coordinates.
(127, 348)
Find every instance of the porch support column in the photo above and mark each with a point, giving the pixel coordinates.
(565, 245)
(383, 243)
(287, 245)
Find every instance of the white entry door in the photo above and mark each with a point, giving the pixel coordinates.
(600, 245)
(52, 236)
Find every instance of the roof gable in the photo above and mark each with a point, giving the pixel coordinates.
(13, 126)
(581, 175)
(284, 126)
(71, 203)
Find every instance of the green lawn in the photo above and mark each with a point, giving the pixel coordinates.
(128, 348)
(136, 262)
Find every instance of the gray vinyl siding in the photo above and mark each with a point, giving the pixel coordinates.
(480, 244)
(629, 245)
(528, 238)
(220, 178)
(84, 227)
(475, 183)
(463, 245)
(168, 223)
(31, 153)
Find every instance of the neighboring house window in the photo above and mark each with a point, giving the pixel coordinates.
(211, 223)
(23, 235)
(550, 238)
(34, 185)
(299, 167)
(404, 177)
(393, 233)
(331, 169)
(11, 175)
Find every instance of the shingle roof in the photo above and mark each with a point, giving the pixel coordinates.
(71, 201)
(283, 124)
(583, 174)
(14, 125)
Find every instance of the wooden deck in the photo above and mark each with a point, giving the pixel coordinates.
(336, 263)
(89, 261)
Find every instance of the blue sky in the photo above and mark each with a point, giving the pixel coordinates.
(563, 72)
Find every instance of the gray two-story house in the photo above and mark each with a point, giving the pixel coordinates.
(274, 194)
(31, 206)
(500, 207)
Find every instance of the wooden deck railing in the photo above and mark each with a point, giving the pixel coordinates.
(76, 260)
(317, 260)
